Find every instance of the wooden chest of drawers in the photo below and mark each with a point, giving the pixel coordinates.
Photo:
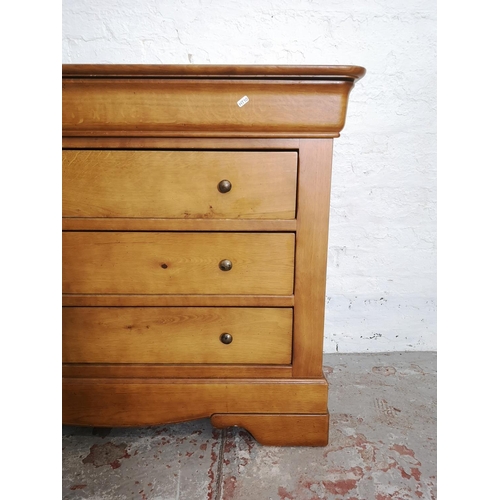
(195, 226)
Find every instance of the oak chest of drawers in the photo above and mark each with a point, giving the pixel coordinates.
(195, 226)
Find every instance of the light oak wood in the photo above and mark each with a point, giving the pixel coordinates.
(205, 108)
(176, 335)
(216, 71)
(179, 184)
(177, 263)
(121, 224)
(115, 244)
(311, 256)
(279, 430)
(206, 371)
(192, 143)
(178, 300)
(138, 402)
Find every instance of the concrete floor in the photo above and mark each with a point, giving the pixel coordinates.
(382, 446)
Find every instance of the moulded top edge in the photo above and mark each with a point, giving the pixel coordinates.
(212, 71)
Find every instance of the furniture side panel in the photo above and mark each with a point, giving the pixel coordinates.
(313, 208)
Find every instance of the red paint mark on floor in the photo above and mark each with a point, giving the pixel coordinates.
(78, 487)
(229, 445)
(248, 439)
(342, 441)
(304, 490)
(384, 370)
(404, 474)
(352, 473)
(203, 446)
(341, 487)
(229, 487)
(416, 474)
(161, 431)
(385, 467)
(403, 450)
(106, 454)
(211, 473)
(417, 369)
(284, 495)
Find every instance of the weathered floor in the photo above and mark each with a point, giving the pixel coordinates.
(382, 446)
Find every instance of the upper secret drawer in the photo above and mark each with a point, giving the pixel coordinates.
(179, 184)
(206, 101)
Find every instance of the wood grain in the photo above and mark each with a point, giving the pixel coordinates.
(177, 263)
(123, 264)
(279, 430)
(213, 70)
(136, 224)
(183, 143)
(207, 371)
(313, 202)
(178, 184)
(178, 300)
(138, 402)
(205, 108)
(176, 335)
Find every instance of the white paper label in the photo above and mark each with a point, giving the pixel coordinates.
(243, 101)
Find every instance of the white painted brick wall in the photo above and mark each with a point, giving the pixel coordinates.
(381, 289)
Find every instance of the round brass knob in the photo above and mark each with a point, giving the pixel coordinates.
(224, 186)
(226, 338)
(225, 265)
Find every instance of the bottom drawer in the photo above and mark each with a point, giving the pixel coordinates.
(176, 335)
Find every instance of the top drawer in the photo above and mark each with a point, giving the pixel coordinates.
(299, 105)
(179, 184)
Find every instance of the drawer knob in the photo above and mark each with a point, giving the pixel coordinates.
(226, 338)
(224, 186)
(225, 265)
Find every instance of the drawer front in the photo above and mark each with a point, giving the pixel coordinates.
(199, 108)
(178, 263)
(179, 184)
(176, 335)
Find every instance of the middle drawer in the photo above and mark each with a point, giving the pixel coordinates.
(178, 263)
